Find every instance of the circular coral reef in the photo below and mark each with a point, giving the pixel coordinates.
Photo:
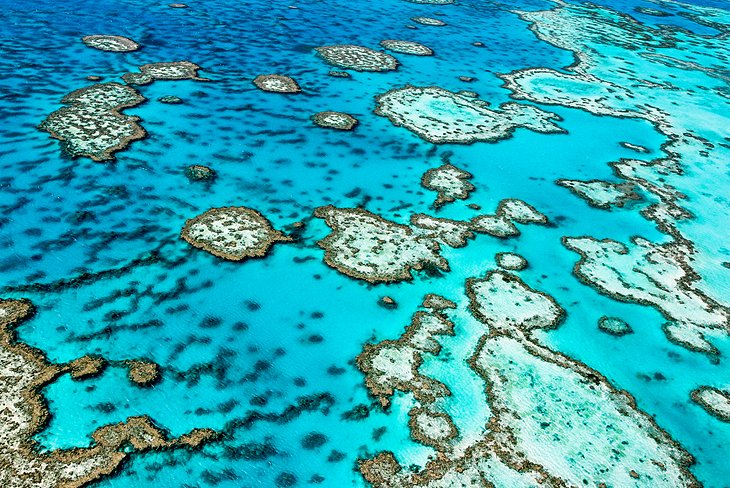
(277, 84)
(233, 233)
(335, 120)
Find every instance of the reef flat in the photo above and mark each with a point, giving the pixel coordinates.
(440, 116)
(554, 421)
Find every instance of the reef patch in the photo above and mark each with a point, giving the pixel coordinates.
(117, 44)
(92, 124)
(449, 182)
(233, 233)
(335, 120)
(357, 58)
(176, 70)
(716, 402)
(602, 194)
(406, 47)
(277, 84)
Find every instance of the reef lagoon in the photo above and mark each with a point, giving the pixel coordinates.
(394, 243)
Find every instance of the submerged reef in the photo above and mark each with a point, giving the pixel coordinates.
(614, 326)
(652, 274)
(233, 233)
(428, 21)
(276, 84)
(443, 117)
(366, 246)
(510, 261)
(407, 47)
(357, 58)
(602, 194)
(24, 371)
(335, 120)
(716, 402)
(554, 421)
(117, 44)
(198, 172)
(449, 182)
(92, 124)
(177, 70)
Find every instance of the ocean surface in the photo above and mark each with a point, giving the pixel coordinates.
(264, 350)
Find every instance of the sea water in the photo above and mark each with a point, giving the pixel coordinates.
(234, 339)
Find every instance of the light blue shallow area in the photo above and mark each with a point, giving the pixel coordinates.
(270, 343)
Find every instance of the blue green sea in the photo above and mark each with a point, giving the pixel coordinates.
(263, 350)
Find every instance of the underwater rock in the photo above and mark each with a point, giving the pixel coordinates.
(339, 74)
(716, 402)
(387, 302)
(143, 372)
(366, 246)
(198, 172)
(602, 194)
(357, 58)
(406, 47)
(614, 326)
(335, 120)
(652, 274)
(428, 21)
(449, 182)
(117, 44)
(92, 124)
(94, 78)
(277, 84)
(177, 70)
(443, 117)
(25, 371)
(171, 99)
(510, 261)
(233, 233)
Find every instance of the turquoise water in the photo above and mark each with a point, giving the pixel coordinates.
(96, 245)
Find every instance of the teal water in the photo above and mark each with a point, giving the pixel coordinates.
(265, 335)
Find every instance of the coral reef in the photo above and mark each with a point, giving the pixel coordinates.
(443, 117)
(233, 233)
(117, 44)
(357, 58)
(92, 124)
